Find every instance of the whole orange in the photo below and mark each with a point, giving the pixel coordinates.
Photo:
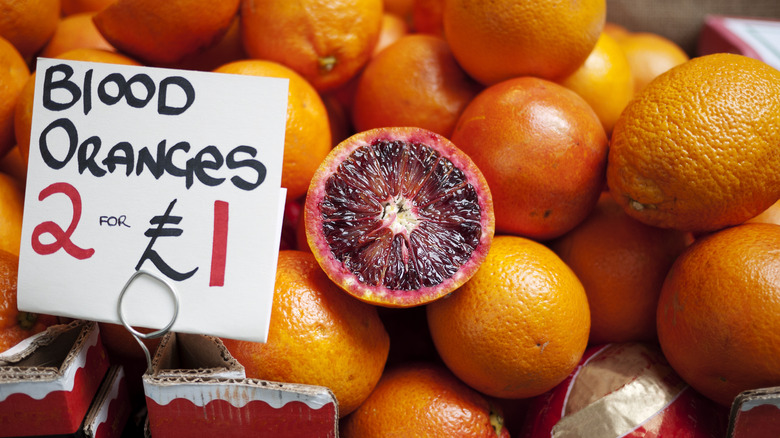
(28, 24)
(649, 55)
(11, 209)
(393, 27)
(413, 82)
(307, 137)
(718, 312)
(325, 41)
(604, 80)
(24, 106)
(498, 40)
(160, 32)
(518, 327)
(420, 399)
(318, 335)
(13, 76)
(16, 326)
(542, 150)
(697, 148)
(75, 31)
(622, 263)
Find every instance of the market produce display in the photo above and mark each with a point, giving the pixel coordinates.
(494, 209)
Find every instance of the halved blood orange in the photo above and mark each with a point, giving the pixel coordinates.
(398, 217)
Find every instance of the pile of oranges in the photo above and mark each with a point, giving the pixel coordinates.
(635, 191)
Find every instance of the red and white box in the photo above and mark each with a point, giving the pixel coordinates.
(757, 38)
(197, 389)
(48, 381)
(756, 414)
(107, 418)
(624, 390)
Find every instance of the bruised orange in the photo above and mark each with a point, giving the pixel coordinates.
(318, 335)
(160, 32)
(424, 400)
(498, 40)
(518, 327)
(543, 151)
(326, 42)
(718, 312)
(16, 326)
(307, 137)
(697, 148)
(622, 263)
(414, 82)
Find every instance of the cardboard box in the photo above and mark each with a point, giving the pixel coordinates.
(753, 37)
(107, 418)
(197, 389)
(48, 381)
(756, 414)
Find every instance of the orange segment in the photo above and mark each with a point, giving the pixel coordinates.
(398, 217)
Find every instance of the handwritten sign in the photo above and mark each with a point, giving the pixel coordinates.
(176, 173)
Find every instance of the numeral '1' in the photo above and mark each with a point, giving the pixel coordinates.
(219, 244)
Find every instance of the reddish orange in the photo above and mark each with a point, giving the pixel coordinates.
(542, 150)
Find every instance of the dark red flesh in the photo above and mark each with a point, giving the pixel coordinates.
(442, 205)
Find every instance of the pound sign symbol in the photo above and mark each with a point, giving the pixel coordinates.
(162, 231)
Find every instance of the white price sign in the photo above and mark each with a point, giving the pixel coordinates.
(176, 173)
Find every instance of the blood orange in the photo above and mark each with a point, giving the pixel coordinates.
(399, 217)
